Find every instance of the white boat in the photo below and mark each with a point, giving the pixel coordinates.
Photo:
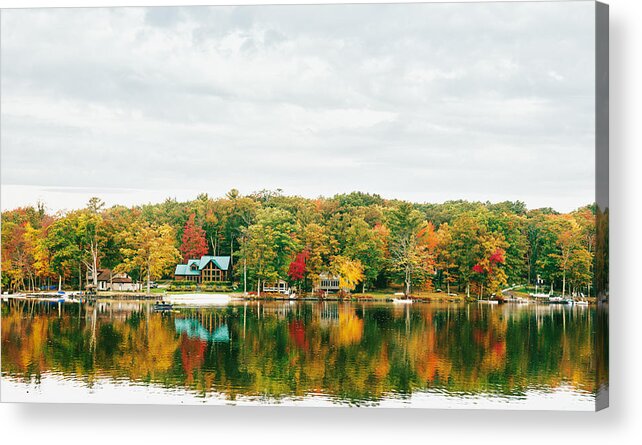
(402, 300)
(518, 300)
(198, 299)
(582, 303)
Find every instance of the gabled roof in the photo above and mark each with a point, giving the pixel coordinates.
(184, 269)
(222, 262)
(103, 275)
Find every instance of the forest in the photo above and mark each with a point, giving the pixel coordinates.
(371, 243)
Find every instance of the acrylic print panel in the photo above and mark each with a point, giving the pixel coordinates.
(389, 205)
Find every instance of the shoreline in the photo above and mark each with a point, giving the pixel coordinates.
(355, 298)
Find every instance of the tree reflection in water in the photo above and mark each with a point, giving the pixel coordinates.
(350, 352)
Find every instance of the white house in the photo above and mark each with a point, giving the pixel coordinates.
(279, 286)
(328, 282)
(108, 281)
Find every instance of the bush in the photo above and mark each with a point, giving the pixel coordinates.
(182, 285)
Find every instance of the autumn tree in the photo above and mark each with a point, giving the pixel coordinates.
(368, 246)
(569, 250)
(315, 240)
(411, 244)
(349, 271)
(465, 249)
(490, 269)
(444, 261)
(296, 269)
(269, 246)
(150, 250)
(193, 243)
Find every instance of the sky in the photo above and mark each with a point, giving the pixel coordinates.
(423, 102)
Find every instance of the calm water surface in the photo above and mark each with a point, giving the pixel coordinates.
(321, 353)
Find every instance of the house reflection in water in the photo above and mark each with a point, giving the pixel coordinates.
(194, 329)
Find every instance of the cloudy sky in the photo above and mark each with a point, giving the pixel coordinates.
(425, 102)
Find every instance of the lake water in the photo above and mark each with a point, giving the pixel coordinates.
(438, 355)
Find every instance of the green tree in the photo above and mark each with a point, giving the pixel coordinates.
(268, 246)
(466, 249)
(411, 244)
(314, 239)
(367, 245)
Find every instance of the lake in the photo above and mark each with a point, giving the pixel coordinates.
(435, 355)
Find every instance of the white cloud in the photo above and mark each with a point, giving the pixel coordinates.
(427, 102)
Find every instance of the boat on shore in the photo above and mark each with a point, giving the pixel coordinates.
(402, 300)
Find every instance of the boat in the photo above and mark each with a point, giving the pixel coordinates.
(553, 299)
(518, 300)
(582, 303)
(402, 300)
(162, 307)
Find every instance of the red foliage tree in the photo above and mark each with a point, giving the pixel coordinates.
(487, 266)
(193, 242)
(497, 257)
(296, 270)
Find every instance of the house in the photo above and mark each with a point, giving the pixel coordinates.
(206, 269)
(109, 281)
(328, 282)
(279, 286)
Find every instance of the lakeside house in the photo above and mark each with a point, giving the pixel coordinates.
(207, 268)
(279, 286)
(328, 282)
(109, 281)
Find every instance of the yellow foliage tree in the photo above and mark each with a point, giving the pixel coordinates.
(350, 271)
(150, 250)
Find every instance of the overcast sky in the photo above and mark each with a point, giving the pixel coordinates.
(425, 102)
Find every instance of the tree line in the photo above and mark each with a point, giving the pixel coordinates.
(366, 241)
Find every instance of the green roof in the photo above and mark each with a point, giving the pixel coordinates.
(222, 262)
